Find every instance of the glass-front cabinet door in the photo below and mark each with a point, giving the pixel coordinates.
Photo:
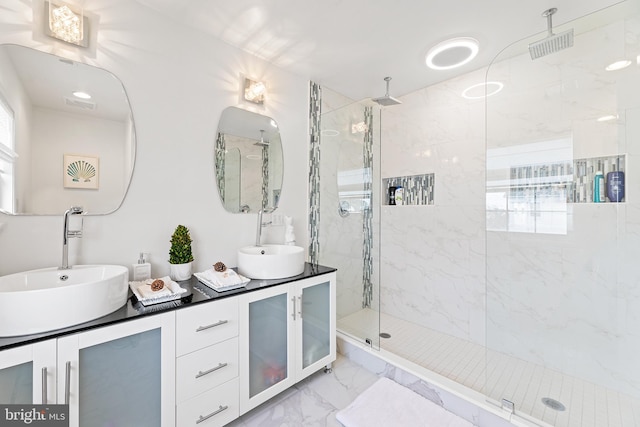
(315, 328)
(287, 332)
(122, 375)
(28, 374)
(267, 346)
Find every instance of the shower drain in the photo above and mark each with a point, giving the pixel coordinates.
(553, 404)
(385, 335)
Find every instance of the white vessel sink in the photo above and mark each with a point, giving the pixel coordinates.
(270, 261)
(43, 300)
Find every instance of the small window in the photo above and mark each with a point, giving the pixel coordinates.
(7, 157)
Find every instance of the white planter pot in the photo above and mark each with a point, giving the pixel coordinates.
(179, 272)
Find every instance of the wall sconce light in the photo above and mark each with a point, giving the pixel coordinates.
(254, 91)
(63, 23)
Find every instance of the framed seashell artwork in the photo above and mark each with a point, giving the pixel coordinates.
(81, 171)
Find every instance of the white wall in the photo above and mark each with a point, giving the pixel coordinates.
(178, 81)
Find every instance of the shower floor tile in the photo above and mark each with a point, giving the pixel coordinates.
(498, 375)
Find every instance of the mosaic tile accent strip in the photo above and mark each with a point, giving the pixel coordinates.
(367, 213)
(265, 177)
(220, 164)
(315, 111)
(570, 180)
(418, 189)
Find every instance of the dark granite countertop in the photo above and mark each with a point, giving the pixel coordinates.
(197, 293)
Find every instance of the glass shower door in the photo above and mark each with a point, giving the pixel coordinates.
(349, 213)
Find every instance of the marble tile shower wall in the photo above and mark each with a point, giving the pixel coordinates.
(433, 256)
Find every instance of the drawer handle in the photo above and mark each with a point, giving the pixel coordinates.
(202, 374)
(213, 325)
(206, 417)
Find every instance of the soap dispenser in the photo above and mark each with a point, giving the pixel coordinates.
(141, 270)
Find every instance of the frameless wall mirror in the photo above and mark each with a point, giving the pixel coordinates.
(67, 136)
(248, 161)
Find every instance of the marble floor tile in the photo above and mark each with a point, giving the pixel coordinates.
(314, 401)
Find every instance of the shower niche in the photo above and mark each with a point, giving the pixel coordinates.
(416, 189)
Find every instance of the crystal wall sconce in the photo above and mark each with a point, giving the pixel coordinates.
(63, 23)
(254, 91)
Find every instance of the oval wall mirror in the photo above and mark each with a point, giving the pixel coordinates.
(248, 161)
(67, 136)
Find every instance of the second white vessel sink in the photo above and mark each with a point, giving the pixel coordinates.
(46, 299)
(271, 261)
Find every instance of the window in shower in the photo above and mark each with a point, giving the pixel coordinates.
(528, 187)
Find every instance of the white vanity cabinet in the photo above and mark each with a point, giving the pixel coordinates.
(287, 332)
(115, 375)
(207, 364)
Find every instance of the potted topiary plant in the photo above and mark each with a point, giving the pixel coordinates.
(180, 255)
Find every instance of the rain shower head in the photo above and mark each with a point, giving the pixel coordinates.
(553, 42)
(387, 100)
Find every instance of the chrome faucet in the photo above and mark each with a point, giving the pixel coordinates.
(68, 234)
(261, 224)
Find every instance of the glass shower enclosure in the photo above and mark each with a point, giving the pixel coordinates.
(563, 306)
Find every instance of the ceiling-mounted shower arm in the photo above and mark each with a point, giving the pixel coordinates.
(387, 79)
(548, 14)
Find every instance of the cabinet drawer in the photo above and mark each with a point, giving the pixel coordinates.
(205, 369)
(216, 407)
(206, 324)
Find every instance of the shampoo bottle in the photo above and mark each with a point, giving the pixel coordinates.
(598, 187)
(141, 270)
(615, 186)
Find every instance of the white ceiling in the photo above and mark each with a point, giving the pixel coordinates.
(351, 45)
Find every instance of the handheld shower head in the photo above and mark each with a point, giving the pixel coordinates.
(387, 100)
(553, 42)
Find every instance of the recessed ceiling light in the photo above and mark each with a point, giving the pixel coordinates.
(452, 53)
(482, 90)
(618, 65)
(81, 95)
